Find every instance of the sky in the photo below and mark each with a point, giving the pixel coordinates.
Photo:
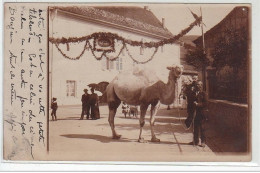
(178, 17)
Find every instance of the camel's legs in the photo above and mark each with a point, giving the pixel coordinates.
(154, 109)
(112, 112)
(143, 108)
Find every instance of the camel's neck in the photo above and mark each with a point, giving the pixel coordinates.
(167, 95)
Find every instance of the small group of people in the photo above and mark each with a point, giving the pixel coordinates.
(126, 109)
(90, 105)
(196, 109)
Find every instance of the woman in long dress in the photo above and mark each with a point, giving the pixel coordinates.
(95, 114)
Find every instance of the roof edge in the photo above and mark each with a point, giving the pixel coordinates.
(133, 30)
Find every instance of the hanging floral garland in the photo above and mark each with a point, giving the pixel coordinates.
(112, 36)
(66, 56)
(92, 51)
(128, 41)
(116, 57)
(141, 62)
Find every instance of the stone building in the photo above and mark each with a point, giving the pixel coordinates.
(68, 78)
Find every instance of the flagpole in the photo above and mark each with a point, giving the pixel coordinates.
(204, 52)
(202, 32)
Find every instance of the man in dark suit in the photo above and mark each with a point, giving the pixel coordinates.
(200, 117)
(85, 104)
(93, 101)
(191, 98)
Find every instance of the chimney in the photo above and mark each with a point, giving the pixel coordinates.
(163, 22)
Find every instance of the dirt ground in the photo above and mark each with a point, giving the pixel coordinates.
(72, 139)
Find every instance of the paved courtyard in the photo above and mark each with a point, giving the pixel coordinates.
(90, 140)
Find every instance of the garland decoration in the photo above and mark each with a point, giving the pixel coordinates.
(116, 57)
(66, 56)
(141, 62)
(92, 51)
(106, 36)
(128, 41)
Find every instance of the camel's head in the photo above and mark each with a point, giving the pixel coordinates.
(175, 70)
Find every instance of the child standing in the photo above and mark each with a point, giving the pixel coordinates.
(54, 107)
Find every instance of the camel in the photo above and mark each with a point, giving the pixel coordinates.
(141, 87)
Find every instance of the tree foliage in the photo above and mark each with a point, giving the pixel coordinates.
(231, 49)
(231, 52)
(197, 58)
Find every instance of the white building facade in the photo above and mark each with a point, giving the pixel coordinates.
(68, 78)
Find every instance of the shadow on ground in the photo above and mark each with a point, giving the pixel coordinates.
(100, 138)
(108, 139)
(167, 122)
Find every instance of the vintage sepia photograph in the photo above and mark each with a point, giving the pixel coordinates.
(149, 82)
(127, 82)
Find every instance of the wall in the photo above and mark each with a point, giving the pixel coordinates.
(87, 69)
(229, 122)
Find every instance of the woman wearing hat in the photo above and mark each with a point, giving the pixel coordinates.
(93, 101)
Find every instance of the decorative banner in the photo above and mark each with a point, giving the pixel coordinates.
(104, 44)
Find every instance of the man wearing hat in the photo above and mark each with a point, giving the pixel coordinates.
(200, 117)
(85, 104)
(191, 97)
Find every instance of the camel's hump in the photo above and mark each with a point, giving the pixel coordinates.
(146, 75)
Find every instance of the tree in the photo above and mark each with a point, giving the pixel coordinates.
(231, 50)
(197, 58)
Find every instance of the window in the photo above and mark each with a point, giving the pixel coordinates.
(110, 65)
(119, 64)
(71, 88)
(182, 43)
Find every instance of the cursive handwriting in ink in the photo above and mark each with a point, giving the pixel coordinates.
(12, 11)
(39, 36)
(32, 16)
(23, 115)
(22, 100)
(25, 26)
(31, 115)
(42, 108)
(23, 40)
(41, 61)
(12, 74)
(22, 127)
(22, 51)
(22, 79)
(32, 94)
(13, 93)
(12, 58)
(10, 120)
(41, 137)
(32, 137)
(40, 88)
(41, 19)
(10, 26)
(23, 19)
